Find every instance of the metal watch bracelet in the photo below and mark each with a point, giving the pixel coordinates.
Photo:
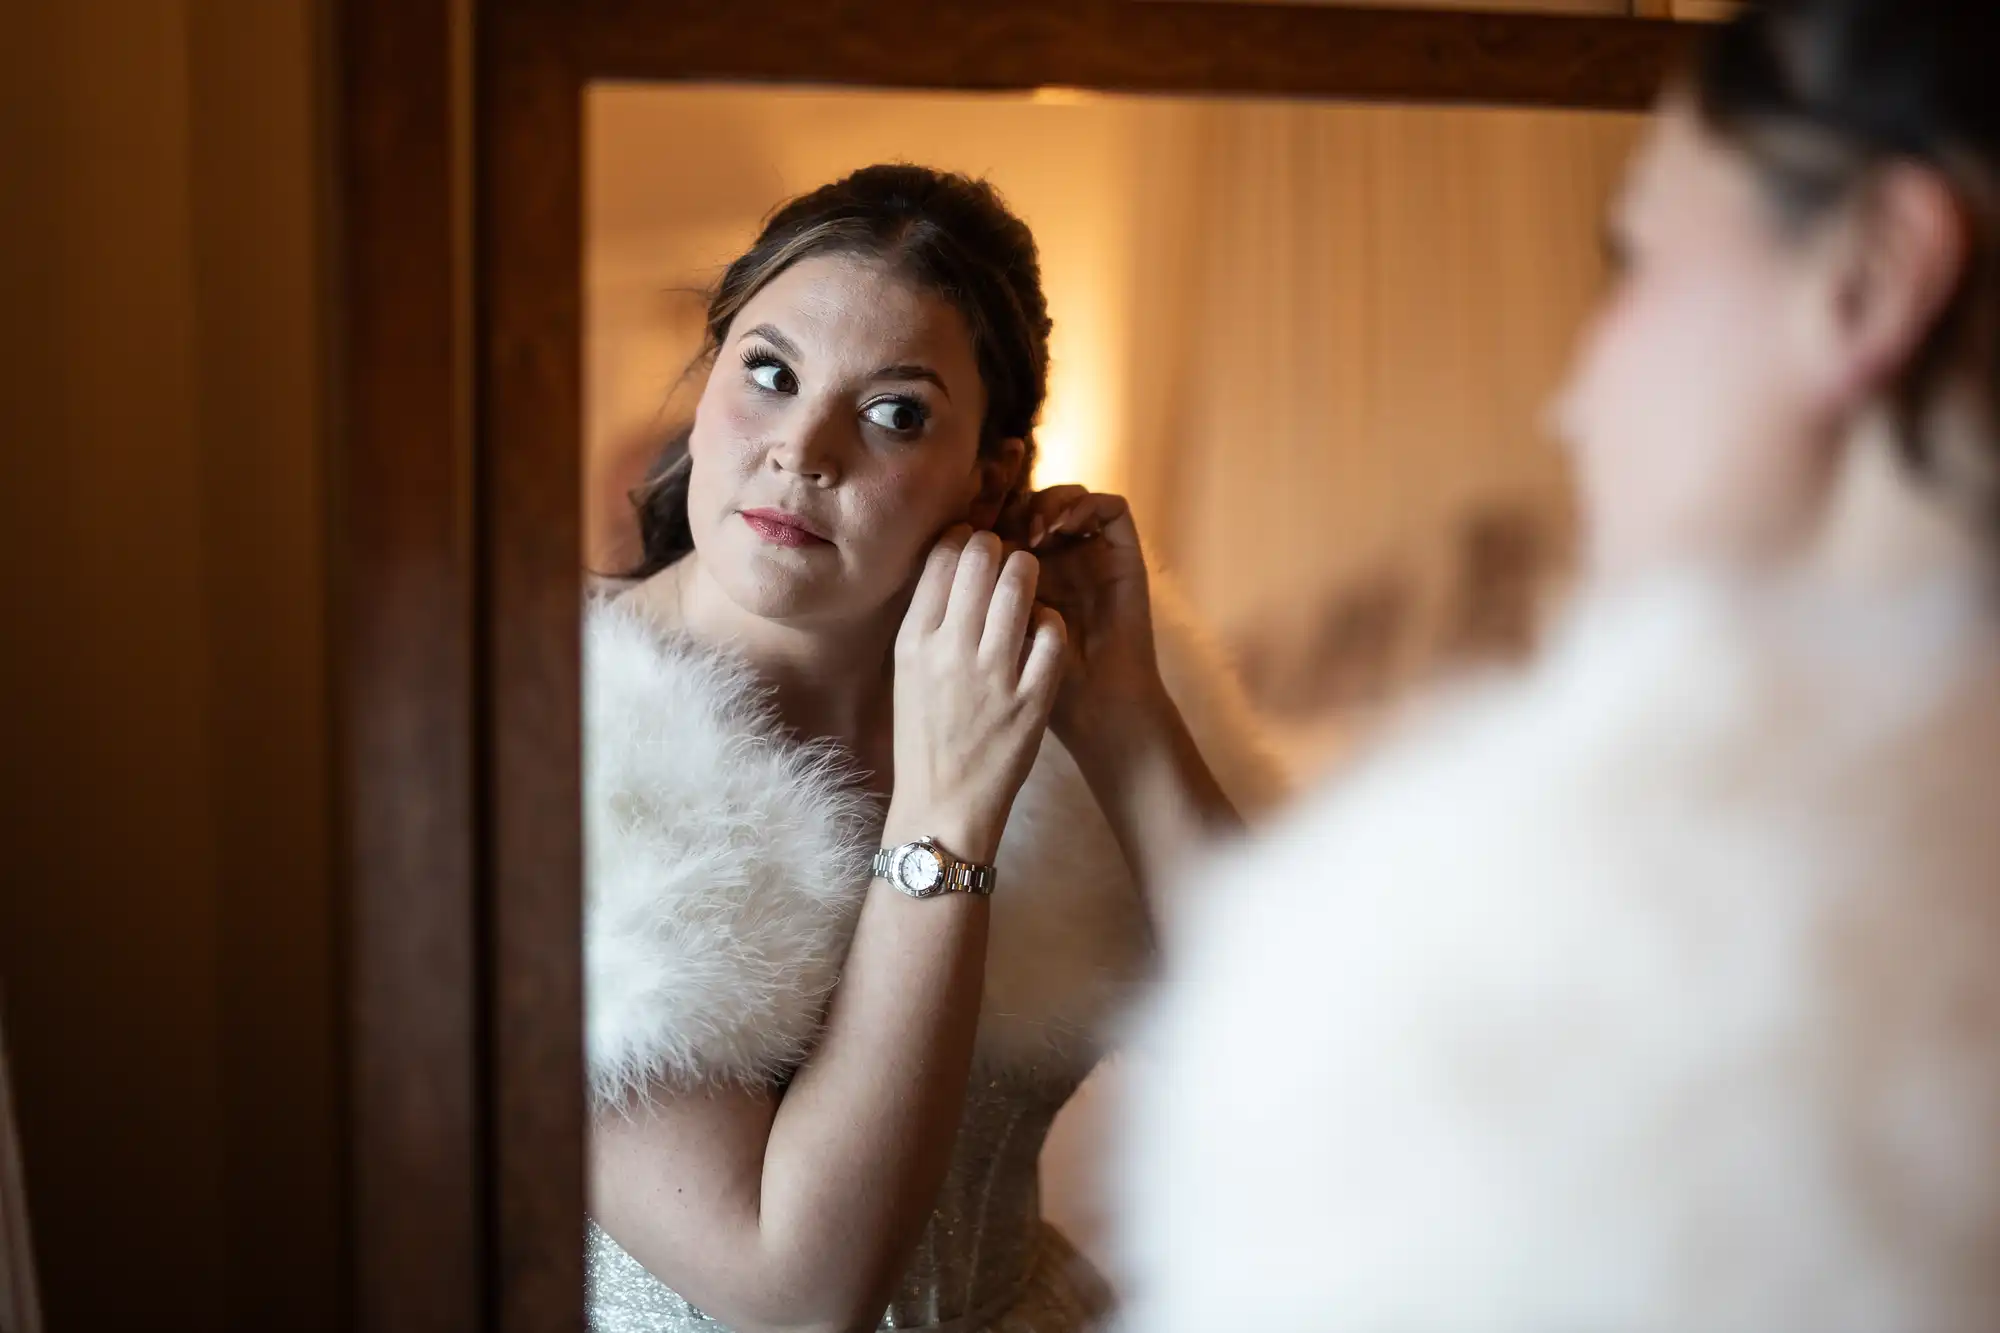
(923, 869)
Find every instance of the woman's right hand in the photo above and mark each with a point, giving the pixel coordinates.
(978, 664)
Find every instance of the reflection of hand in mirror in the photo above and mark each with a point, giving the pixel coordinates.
(977, 665)
(1094, 575)
(1114, 713)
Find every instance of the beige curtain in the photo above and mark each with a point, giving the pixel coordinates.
(1347, 322)
(1364, 313)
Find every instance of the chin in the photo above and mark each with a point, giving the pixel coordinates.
(764, 588)
(780, 586)
(811, 585)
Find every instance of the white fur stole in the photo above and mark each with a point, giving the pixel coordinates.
(1657, 992)
(725, 866)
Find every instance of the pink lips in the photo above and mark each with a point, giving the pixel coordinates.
(781, 529)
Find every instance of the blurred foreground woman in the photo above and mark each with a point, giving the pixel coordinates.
(1659, 988)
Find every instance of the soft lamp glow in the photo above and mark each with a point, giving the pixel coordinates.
(1080, 430)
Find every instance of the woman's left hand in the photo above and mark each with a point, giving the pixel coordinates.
(1094, 574)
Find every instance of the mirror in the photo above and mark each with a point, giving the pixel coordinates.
(1311, 342)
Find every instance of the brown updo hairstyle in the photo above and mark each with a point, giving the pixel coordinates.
(1821, 95)
(949, 234)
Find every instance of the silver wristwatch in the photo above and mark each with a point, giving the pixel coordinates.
(923, 869)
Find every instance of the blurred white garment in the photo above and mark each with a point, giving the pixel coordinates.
(1655, 989)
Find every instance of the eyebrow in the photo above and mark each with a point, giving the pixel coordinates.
(770, 334)
(909, 370)
(913, 371)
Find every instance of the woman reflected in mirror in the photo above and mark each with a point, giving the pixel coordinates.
(855, 916)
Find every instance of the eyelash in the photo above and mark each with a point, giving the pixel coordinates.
(756, 358)
(915, 405)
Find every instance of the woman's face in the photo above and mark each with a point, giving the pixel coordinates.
(1701, 408)
(837, 437)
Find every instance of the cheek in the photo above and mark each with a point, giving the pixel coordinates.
(737, 415)
(723, 447)
(905, 500)
(1678, 375)
(893, 512)
(729, 428)
(1679, 414)
(1676, 358)
(1602, 374)
(1609, 416)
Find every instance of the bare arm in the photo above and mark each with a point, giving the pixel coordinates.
(798, 1211)
(1148, 775)
(1115, 715)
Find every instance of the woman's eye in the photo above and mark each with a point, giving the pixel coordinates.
(895, 414)
(773, 377)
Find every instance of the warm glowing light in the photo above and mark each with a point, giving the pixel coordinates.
(1076, 436)
(1056, 94)
(1081, 429)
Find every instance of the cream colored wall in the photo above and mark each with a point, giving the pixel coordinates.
(166, 925)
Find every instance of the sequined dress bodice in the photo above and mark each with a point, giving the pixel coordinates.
(987, 1262)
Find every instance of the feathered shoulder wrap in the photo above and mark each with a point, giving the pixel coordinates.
(1657, 988)
(726, 863)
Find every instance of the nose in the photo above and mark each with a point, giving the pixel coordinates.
(811, 447)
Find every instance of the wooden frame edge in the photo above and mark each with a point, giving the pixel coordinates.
(405, 606)
(1610, 62)
(530, 205)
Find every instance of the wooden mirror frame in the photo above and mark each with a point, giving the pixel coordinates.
(460, 150)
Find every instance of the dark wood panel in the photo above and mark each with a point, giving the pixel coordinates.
(1136, 46)
(167, 919)
(260, 179)
(530, 553)
(403, 480)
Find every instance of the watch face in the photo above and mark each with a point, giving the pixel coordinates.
(919, 870)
